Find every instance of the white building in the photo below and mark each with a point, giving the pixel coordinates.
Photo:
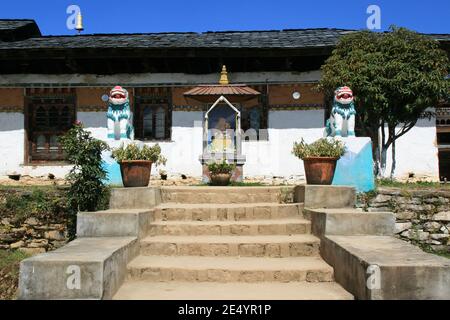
(46, 83)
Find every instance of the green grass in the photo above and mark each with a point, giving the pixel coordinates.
(411, 185)
(8, 258)
(427, 248)
(234, 184)
(9, 273)
(38, 201)
(30, 188)
(247, 184)
(443, 254)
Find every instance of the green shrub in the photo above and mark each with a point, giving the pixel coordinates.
(87, 191)
(44, 203)
(221, 167)
(324, 147)
(133, 152)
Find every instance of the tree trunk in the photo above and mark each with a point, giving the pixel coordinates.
(375, 151)
(383, 159)
(383, 154)
(393, 160)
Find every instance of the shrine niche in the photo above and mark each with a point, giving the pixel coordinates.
(222, 123)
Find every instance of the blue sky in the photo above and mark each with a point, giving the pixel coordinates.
(114, 16)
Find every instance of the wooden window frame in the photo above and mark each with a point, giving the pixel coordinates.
(144, 101)
(33, 102)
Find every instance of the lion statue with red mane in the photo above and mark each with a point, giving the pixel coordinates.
(342, 119)
(120, 118)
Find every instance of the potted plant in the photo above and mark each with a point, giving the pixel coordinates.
(136, 163)
(220, 173)
(163, 174)
(319, 159)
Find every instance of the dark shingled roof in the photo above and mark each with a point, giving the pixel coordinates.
(270, 39)
(9, 24)
(14, 30)
(301, 38)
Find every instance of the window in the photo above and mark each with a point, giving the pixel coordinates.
(152, 117)
(154, 125)
(48, 118)
(255, 117)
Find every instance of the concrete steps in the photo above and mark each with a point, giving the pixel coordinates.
(229, 243)
(229, 269)
(145, 290)
(245, 246)
(226, 228)
(236, 212)
(225, 195)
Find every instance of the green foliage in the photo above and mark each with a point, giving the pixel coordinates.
(46, 204)
(394, 76)
(133, 152)
(10, 257)
(324, 147)
(246, 184)
(411, 185)
(87, 190)
(9, 273)
(221, 167)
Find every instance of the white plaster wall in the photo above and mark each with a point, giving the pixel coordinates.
(12, 142)
(185, 147)
(274, 157)
(182, 151)
(417, 152)
(43, 170)
(95, 122)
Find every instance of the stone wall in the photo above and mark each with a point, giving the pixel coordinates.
(423, 216)
(37, 232)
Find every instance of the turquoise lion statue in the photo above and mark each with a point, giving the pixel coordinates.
(120, 118)
(342, 119)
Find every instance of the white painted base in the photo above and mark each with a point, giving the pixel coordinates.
(416, 151)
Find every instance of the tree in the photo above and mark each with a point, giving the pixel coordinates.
(87, 191)
(395, 77)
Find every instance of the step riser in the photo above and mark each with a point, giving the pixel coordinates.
(233, 230)
(293, 249)
(223, 275)
(221, 197)
(230, 214)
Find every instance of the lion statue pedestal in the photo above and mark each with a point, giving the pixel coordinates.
(355, 167)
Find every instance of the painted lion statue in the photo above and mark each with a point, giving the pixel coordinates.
(120, 118)
(342, 118)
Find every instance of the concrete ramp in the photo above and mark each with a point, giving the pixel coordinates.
(86, 268)
(373, 265)
(382, 267)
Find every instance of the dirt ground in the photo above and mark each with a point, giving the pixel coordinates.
(154, 181)
(31, 181)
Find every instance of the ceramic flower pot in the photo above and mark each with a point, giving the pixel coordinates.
(220, 179)
(320, 170)
(135, 173)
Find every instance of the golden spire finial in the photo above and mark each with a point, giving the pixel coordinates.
(224, 76)
(79, 26)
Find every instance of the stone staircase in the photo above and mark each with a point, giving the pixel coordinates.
(229, 243)
(235, 243)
